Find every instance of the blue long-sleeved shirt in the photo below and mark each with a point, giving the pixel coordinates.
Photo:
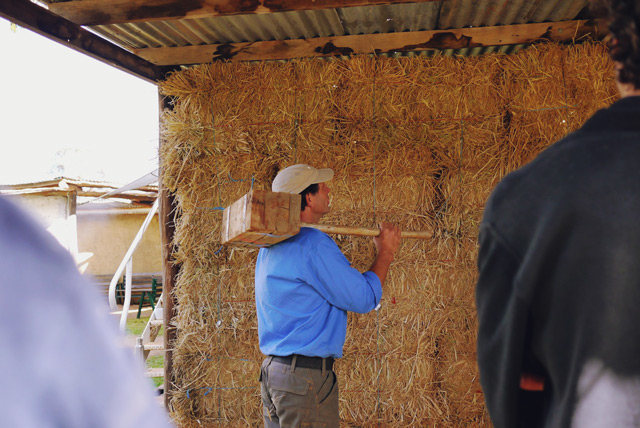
(304, 288)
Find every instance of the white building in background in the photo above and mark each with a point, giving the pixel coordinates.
(97, 233)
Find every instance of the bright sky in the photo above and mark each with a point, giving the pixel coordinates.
(66, 114)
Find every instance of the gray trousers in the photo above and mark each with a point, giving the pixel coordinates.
(298, 397)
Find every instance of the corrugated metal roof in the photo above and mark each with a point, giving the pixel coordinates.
(225, 29)
(308, 24)
(151, 38)
(389, 18)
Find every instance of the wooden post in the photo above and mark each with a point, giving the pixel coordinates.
(169, 270)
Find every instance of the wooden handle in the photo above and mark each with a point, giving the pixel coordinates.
(364, 231)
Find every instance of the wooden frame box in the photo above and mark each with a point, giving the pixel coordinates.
(261, 218)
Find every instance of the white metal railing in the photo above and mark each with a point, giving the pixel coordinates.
(127, 263)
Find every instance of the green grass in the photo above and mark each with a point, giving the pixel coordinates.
(136, 326)
(154, 362)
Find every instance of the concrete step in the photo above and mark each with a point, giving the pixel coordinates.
(154, 372)
(153, 346)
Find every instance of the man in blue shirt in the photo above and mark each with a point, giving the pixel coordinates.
(304, 288)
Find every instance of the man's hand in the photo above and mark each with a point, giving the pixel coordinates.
(389, 239)
(387, 244)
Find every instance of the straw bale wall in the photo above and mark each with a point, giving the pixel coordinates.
(416, 141)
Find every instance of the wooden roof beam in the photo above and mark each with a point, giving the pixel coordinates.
(29, 15)
(565, 31)
(104, 12)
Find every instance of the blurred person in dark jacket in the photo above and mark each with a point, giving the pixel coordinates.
(559, 271)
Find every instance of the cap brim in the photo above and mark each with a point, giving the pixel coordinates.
(324, 174)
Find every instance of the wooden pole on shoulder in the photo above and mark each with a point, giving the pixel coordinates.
(364, 231)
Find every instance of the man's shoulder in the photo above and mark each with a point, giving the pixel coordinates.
(307, 237)
(521, 196)
(306, 244)
(544, 171)
(311, 236)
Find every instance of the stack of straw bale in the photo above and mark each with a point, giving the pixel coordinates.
(420, 142)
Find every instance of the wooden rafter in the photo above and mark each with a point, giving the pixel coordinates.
(565, 31)
(38, 19)
(141, 197)
(64, 183)
(102, 12)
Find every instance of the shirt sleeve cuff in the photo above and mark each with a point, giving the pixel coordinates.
(375, 284)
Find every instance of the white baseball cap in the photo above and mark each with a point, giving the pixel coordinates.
(296, 178)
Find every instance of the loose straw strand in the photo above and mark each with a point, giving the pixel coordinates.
(217, 264)
(296, 115)
(375, 151)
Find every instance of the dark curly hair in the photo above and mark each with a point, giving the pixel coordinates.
(623, 19)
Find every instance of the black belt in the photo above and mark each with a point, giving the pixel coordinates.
(306, 362)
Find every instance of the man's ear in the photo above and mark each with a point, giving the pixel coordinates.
(308, 198)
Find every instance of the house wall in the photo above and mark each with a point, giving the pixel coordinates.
(51, 211)
(108, 236)
(97, 240)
